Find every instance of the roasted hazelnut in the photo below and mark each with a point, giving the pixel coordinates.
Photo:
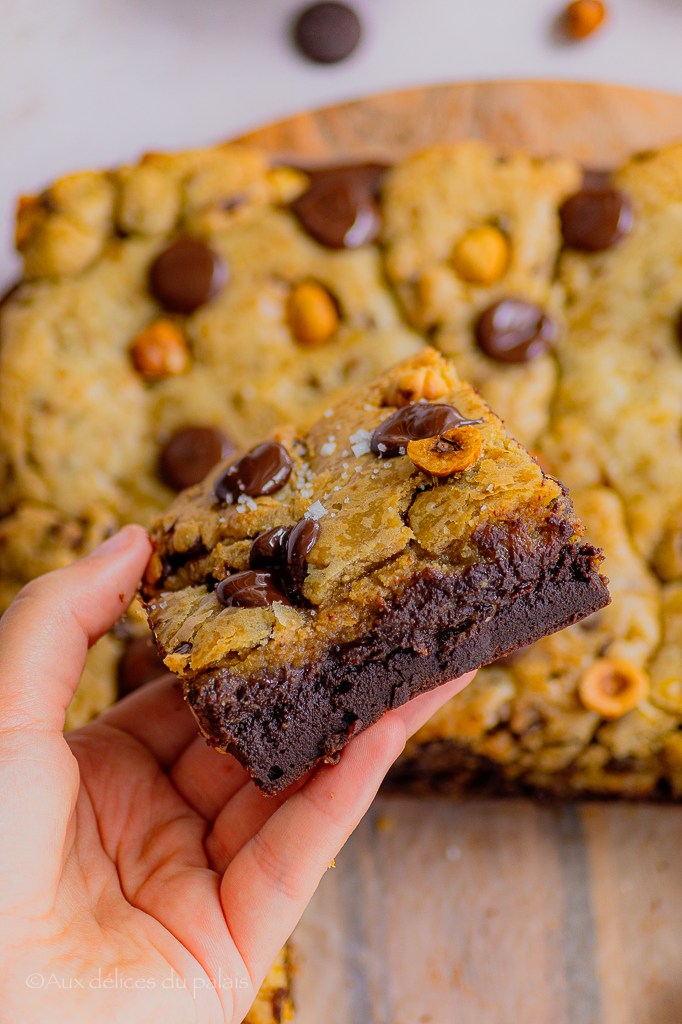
(154, 570)
(612, 686)
(481, 256)
(448, 453)
(160, 351)
(413, 385)
(583, 17)
(311, 314)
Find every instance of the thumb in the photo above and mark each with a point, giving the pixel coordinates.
(46, 632)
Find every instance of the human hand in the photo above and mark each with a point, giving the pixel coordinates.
(132, 851)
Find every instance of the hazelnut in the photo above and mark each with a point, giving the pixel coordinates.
(160, 351)
(154, 570)
(448, 453)
(421, 382)
(287, 183)
(311, 313)
(612, 686)
(583, 17)
(482, 255)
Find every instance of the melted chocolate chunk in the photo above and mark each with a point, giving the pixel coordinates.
(263, 470)
(267, 551)
(300, 543)
(190, 454)
(285, 551)
(414, 423)
(340, 209)
(594, 218)
(514, 331)
(327, 32)
(186, 275)
(250, 590)
(139, 664)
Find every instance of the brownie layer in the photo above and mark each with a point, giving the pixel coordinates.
(279, 726)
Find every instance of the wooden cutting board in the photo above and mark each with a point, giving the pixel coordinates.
(495, 912)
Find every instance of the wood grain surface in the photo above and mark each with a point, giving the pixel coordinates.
(599, 125)
(490, 912)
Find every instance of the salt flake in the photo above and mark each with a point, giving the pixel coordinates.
(315, 511)
(360, 442)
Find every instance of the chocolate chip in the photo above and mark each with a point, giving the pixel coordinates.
(249, 590)
(327, 32)
(190, 454)
(514, 331)
(413, 423)
(340, 209)
(284, 550)
(263, 470)
(594, 218)
(300, 543)
(186, 275)
(267, 551)
(139, 664)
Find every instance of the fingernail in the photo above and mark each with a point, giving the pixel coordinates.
(115, 543)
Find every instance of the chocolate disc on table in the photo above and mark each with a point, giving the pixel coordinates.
(327, 33)
(139, 664)
(263, 470)
(414, 423)
(190, 454)
(250, 590)
(514, 331)
(340, 209)
(186, 275)
(594, 218)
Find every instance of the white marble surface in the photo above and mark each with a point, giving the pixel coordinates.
(95, 82)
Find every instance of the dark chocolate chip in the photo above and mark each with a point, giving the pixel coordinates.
(186, 275)
(268, 550)
(594, 218)
(250, 590)
(190, 454)
(139, 664)
(414, 423)
(327, 32)
(263, 470)
(340, 209)
(300, 543)
(514, 331)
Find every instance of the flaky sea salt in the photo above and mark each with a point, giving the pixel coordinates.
(328, 413)
(244, 501)
(315, 511)
(328, 449)
(360, 442)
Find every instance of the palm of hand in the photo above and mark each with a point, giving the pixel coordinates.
(145, 878)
